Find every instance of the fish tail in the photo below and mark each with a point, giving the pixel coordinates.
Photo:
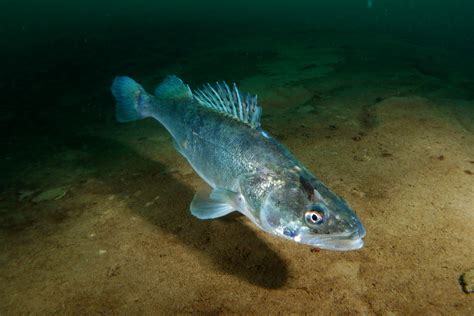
(132, 100)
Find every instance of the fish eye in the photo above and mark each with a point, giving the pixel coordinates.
(314, 218)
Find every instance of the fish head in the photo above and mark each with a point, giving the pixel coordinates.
(307, 212)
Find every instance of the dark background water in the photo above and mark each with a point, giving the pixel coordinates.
(49, 47)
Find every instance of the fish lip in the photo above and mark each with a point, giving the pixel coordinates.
(338, 242)
(343, 244)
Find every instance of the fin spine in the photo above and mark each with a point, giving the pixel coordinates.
(230, 102)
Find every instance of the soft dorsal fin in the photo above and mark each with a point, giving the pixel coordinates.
(173, 88)
(230, 102)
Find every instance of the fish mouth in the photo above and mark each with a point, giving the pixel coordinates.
(341, 244)
(338, 242)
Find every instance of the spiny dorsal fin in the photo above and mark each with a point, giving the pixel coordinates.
(220, 98)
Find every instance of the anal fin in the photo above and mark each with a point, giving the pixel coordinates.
(214, 205)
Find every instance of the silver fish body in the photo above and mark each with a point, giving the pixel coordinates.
(217, 130)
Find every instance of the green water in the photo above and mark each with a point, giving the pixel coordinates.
(51, 46)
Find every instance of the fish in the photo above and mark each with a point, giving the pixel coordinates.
(217, 129)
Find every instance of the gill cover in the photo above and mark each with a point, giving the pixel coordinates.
(283, 209)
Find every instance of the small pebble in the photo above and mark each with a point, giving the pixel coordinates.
(356, 138)
(137, 194)
(315, 249)
(467, 281)
(102, 252)
(358, 193)
(361, 158)
(50, 195)
(113, 270)
(441, 157)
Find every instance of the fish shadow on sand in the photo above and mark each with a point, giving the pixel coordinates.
(230, 245)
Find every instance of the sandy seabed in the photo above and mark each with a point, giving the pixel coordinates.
(100, 224)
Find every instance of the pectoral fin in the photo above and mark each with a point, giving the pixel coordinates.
(217, 204)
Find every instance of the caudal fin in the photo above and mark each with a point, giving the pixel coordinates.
(132, 100)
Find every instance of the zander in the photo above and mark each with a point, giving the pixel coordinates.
(217, 129)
